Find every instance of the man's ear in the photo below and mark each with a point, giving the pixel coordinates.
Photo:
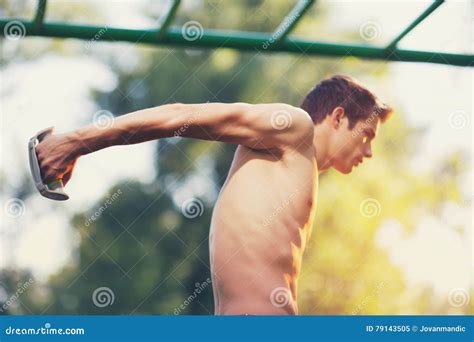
(337, 115)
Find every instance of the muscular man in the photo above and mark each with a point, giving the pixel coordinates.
(262, 219)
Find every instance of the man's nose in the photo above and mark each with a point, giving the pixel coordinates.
(368, 152)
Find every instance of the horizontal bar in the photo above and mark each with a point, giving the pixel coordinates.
(290, 21)
(253, 41)
(415, 23)
(169, 17)
(40, 12)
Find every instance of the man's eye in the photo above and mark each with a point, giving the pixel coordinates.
(365, 139)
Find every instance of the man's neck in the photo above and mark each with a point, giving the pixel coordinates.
(321, 143)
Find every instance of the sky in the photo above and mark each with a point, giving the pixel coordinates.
(54, 90)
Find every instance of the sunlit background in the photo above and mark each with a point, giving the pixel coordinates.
(393, 237)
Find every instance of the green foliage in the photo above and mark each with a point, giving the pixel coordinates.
(143, 249)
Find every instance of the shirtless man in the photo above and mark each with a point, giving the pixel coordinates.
(262, 219)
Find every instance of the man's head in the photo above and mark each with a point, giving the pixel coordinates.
(346, 116)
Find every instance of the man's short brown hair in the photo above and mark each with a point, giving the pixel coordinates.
(358, 102)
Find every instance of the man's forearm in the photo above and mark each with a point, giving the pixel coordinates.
(136, 127)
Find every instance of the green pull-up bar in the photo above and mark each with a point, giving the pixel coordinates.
(167, 35)
(291, 20)
(168, 17)
(418, 20)
(40, 12)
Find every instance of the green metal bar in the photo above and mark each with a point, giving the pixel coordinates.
(39, 16)
(290, 21)
(168, 18)
(415, 23)
(245, 41)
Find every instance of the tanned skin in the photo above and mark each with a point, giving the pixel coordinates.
(262, 219)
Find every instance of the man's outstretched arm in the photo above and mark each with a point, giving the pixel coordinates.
(274, 126)
(260, 126)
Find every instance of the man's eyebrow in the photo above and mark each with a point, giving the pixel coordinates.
(370, 132)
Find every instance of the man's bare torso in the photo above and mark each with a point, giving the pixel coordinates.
(260, 226)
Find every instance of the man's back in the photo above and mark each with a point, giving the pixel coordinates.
(260, 226)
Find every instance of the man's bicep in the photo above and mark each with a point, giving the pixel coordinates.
(217, 121)
(277, 125)
(257, 126)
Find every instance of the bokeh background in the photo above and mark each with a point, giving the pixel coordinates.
(393, 237)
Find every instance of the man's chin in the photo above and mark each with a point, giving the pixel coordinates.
(344, 169)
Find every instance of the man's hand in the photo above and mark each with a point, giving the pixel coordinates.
(57, 156)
